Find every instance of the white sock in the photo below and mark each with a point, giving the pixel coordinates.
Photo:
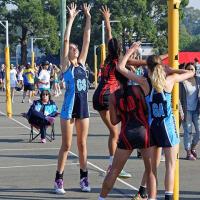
(168, 193)
(101, 198)
(111, 160)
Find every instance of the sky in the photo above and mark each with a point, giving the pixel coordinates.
(194, 3)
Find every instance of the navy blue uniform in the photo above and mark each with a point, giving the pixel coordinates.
(75, 103)
(161, 119)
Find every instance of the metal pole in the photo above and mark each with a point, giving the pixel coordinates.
(173, 49)
(32, 53)
(103, 32)
(7, 63)
(62, 24)
(7, 40)
(95, 66)
(16, 55)
(103, 46)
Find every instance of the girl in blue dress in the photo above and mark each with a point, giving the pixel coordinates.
(157, 88)
(75, 106)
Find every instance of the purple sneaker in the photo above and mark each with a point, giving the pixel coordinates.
(58, 187)
(84, 184)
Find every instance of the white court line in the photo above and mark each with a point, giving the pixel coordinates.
(95, 166)
(11, 136)
(31, 149)
(10, 127)
(26, 166)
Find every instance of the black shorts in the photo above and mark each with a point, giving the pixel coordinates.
(101, 98)
(30, 87)
(134, 138)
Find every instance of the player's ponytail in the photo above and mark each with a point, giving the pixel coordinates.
(157, 73)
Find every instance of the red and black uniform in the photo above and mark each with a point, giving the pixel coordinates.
(108, 84)
(133, 110)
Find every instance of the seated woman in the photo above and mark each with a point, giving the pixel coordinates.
(42, 113)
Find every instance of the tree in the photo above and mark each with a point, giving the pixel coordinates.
(185, 38)
(192, 20)
(144, 20)
(32, 19)
(190, 30)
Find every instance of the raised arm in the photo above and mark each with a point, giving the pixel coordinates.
(86, 35)
(180, 75)
(106, 14)
(170, 70)
(121, 66)
(136, 62)
(131, 74)
(72, 14)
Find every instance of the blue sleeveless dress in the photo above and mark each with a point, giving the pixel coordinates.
(75, 103)
(161, 119)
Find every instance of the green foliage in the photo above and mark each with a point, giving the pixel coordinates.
(144, 20)
(33, 18)
(185, 38)
(190, 30)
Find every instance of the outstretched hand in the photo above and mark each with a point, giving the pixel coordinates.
(72, 10)
(86, 9)
(134, 47)
(106, 12)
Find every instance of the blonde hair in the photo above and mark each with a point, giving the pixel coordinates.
(157, 73)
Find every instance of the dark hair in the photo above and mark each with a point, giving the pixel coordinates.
(196, 60)
(44, 91)
(114, 51)
(188, 64)
(182, 66)
(121, 78)
(28, 66)
(124, 81)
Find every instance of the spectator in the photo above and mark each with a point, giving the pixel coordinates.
(197, 67)
(44, 78)
(2, 77)
(42, 113)
(189, 97)
(28, 76)
(13, 81)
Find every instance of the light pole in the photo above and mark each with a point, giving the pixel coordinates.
(7, 63)
(62, 24)
(103, 46)
(17, 53)
(173, 49)
(95, 65)
(32, 50)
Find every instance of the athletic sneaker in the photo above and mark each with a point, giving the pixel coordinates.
(58, 187)
(138, 197)
(190, 157)
(84, 184)
(124, 174)
(43, 140)
(194, 153)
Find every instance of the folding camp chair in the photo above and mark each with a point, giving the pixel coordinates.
(34, 134)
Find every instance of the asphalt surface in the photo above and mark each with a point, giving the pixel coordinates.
(27, 170)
